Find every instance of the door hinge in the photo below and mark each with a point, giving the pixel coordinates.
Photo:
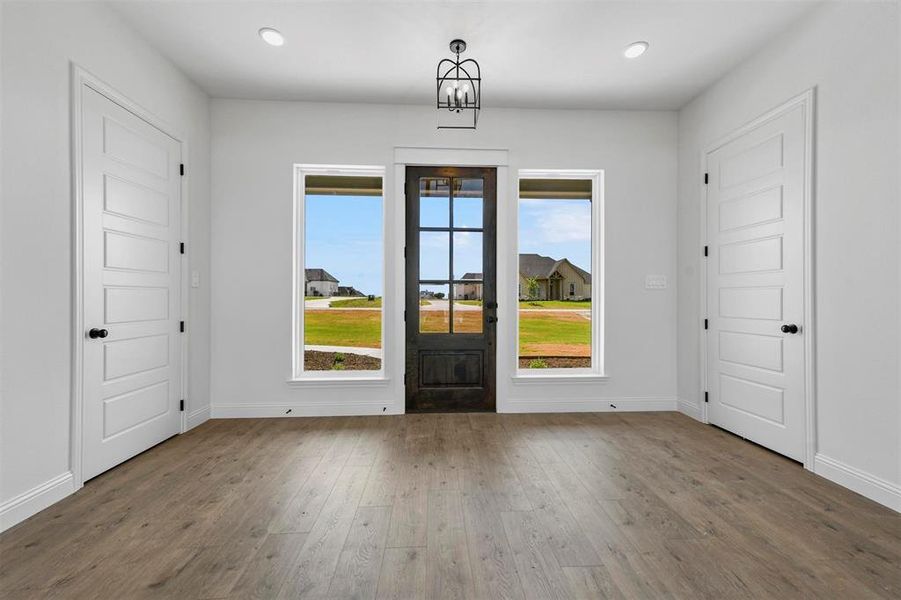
(706, 178)
(181, 248)
(405, 315)
(181, 169)
(181, 405)
(181, 326)
(405, 252)
(705, 250)
(706, 397)
(705, 323)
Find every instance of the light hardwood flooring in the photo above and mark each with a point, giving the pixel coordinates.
(640, 505)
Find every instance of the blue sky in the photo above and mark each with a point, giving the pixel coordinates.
(556, 228)
(344, 236)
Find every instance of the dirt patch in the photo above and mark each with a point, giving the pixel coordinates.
(554, 362)
(556, 350)
(567, 316)
(313, 360)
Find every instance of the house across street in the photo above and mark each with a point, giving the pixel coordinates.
(549, 279)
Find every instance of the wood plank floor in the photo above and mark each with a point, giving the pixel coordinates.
(640, 505)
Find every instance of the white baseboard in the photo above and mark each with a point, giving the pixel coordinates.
(875, 488)
(197, 417)
(596, 405)
(333, 409)
(691, 409)
(15, 510)
(309, 409)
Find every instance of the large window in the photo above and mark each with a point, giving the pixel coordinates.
(559, 279)
(339, 282)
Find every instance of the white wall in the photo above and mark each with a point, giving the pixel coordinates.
(38, 42)
(850, 52)
(254, 146)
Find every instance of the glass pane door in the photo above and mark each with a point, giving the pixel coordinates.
(450, 288)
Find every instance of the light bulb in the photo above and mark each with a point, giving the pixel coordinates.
(465, 87)
(450, 91)
(635, 49)
(272, 36)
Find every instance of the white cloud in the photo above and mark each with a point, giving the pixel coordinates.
(555, 221)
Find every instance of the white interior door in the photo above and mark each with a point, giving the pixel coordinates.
(131, 220)
(755, 279)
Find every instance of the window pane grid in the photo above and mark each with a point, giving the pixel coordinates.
(469, 190)
(447, 229)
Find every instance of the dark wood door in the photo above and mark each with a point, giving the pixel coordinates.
(451, 293)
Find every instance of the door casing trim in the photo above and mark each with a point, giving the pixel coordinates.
(426, 344)
(79, 79)
(807, 100)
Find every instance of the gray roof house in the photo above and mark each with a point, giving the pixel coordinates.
(349, 290)
(318, 275)
(320, 282)
(558, 279)
(469, 291)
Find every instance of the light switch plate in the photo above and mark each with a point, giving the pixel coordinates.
(655, 282)
(195, 279)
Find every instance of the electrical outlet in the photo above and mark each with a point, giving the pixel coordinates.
(655, 282)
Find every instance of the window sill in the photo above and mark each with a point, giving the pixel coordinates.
(343, 381)
(558, 377)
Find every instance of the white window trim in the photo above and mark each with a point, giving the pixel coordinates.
(596, 371)
(298, 375)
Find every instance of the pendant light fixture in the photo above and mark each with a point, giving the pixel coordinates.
(459, 89)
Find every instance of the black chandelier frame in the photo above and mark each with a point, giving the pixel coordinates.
(452, 71)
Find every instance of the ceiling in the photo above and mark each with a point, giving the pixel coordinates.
(562, 54)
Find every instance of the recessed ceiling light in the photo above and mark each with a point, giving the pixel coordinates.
(271, 36)
(635, 49)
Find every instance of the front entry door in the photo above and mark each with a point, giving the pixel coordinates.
(755, 228)
(451, 295)
(131, 219)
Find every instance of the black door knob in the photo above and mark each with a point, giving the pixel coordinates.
(791, 328)
(492, 319)
(97, 333)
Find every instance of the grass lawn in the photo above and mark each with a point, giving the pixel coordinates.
(435, 321)
(534, 304)
(555, 304)
(554, 334)
(330, 327)
(356, 303)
